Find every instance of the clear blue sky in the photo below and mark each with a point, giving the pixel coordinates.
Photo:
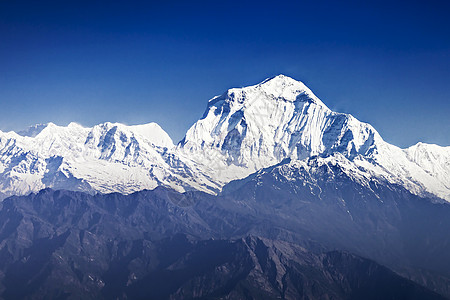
(385, 62)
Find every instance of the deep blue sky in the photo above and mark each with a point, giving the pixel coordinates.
(385, 62)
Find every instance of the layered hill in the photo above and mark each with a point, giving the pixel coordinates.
(273, 236)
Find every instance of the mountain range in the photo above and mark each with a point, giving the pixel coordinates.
(270, 236)
(242, 131)
(270, 195)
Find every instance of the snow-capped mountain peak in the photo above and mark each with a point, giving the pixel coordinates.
(258, 126)
(247, 129)
(33, 130)
(288, 89)
(276, 88)
(154, 133)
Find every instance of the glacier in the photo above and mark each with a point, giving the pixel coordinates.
(241, 132)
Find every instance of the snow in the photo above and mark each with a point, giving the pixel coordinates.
(242, 131)
(154, 134)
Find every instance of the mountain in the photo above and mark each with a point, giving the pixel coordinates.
(242, 131)
(109, 157)
(168, 245)
(328, 201)
(250, 128)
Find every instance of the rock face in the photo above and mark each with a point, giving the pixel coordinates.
(242, 131)
(166, 245)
